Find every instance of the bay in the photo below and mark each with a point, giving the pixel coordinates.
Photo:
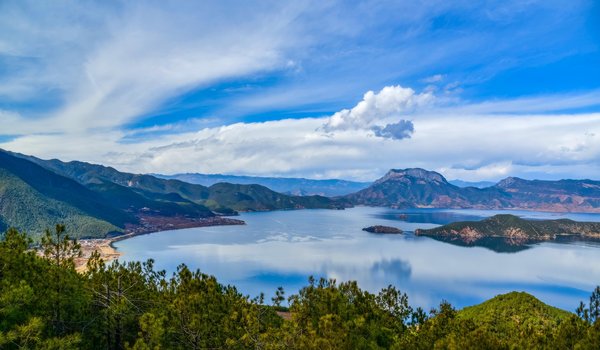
(284, 248)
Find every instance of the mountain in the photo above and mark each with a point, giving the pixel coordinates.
(418, 188)
(411, 188)
(478, 184)
(224, 198)
(259, 198)
(33, 198)
(36, 194)
(511, 230)
(561, 195)
(294, 186)
(135, 190)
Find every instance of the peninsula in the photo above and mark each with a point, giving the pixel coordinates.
(512, 231)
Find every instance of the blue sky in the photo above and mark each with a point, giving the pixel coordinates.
(475, 90)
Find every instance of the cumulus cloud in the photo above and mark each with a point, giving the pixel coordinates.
(392, 102)
(471, 147)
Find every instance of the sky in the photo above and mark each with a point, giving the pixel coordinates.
(476, 90)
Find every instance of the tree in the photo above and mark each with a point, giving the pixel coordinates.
(152, 332)
(278, 298)
(60, 250)
(121, 294)
(590, 315)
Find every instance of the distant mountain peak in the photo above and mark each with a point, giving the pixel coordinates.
(509, 181)
(416, 173)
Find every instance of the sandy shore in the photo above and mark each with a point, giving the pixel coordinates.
(150, 225)
(102, 246)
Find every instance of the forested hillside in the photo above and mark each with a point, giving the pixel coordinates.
(34, 198)
(95, 200)
(46, 304)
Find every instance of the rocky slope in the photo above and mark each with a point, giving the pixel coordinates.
(416, 188)
(382, 229)
(419, 188)
(562, 195)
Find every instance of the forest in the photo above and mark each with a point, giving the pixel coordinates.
(46, 304)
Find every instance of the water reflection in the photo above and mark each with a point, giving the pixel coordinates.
(396, 270)
(426, 216)
(284, 248)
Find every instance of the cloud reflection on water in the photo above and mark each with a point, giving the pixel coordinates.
(284, 248)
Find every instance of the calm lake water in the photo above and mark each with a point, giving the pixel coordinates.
(283, 248)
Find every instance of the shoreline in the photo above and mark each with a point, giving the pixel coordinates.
(108, 252)
(153, 224)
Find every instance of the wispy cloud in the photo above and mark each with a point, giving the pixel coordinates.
(436, 78)
(128, 59)
(87, 80)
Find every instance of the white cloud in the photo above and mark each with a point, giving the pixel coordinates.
(391, 102)
(436, 78)
(111, 64)
(471, 147)
(490, 171)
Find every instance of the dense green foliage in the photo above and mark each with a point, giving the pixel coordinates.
(23, 206)
(46, 304)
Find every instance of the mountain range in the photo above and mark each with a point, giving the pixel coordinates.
(296, 186)
(94, 200)
(419, 188)
(287, 185)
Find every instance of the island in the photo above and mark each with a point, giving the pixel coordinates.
(505, 232)
(382, 229)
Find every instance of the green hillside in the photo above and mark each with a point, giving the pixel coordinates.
(62, 189)
(225, 198)
(23, 207)
(515, 320)
(257, 197)
(514, 315)
(134, 200)
(93, 200)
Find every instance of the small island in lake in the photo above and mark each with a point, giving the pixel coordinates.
(382, 229)
(512, 231)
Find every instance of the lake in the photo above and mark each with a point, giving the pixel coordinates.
(284, 248)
